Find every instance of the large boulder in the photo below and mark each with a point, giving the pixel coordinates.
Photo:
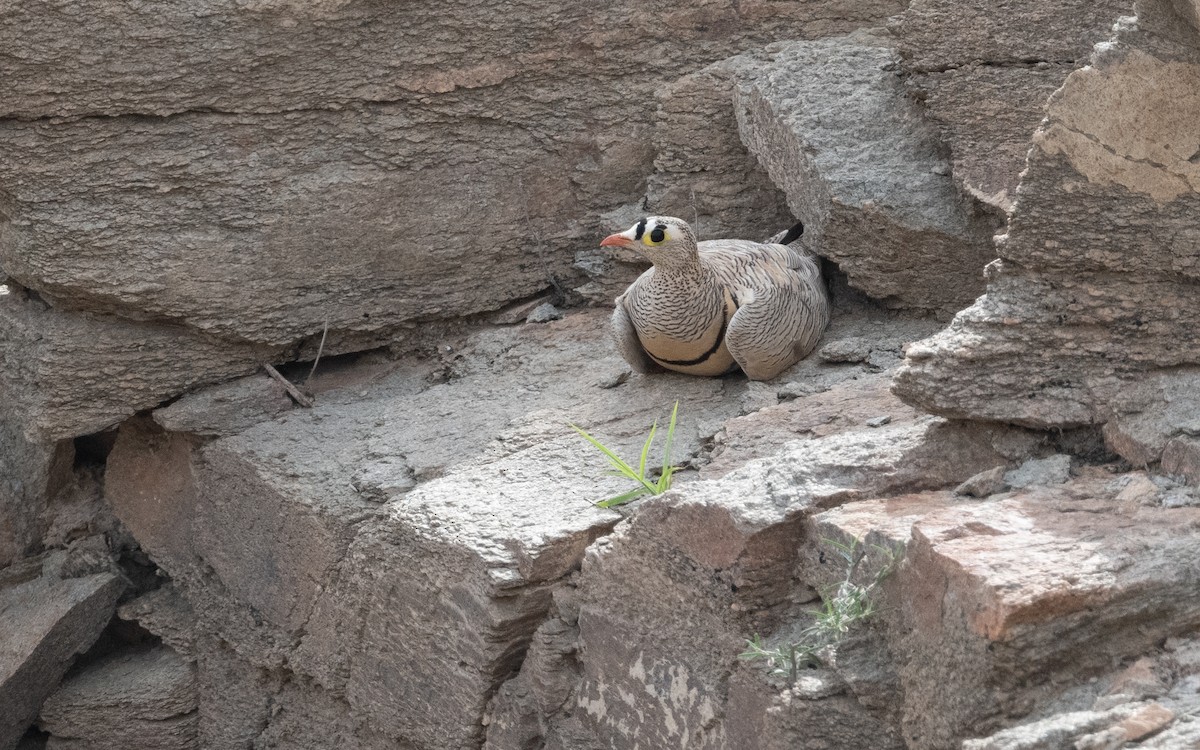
(398, 544)
(831, 123)
(1100, 267)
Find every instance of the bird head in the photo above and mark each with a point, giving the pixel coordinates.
(665, 241)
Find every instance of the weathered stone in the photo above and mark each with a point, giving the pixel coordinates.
(863, 169)
(1145, 415)
(1181, 456)
(70, 375)
(702, 171)
(845, 350)
(269, 57)
(225, 408)
(1040, 472)
(46, 620)
(128, 699)
(940, 34)
(165, 613)
(31, 473)
(728, 547)
(763, 717)
(276, 535)
(1056, 731)
(544, 313)
(987, 115)
(446, 186)
(1101, 262)
(984, 483)
(998, 600)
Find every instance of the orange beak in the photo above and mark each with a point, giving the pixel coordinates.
(615, 240)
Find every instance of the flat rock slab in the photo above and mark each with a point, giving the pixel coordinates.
(46, 620)
(861, 166)
(128, 699)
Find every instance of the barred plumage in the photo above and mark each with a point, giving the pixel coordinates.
(706, 308)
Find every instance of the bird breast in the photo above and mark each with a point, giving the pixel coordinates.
(682, 326)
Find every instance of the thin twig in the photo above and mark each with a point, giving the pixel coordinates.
(320, 348)
(292, 390)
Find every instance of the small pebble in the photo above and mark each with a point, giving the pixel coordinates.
(544, 313)
(616, 379)
(878, 421)
(845, 350)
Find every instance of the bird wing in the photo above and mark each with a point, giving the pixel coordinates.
(783, 306)
(627, 340)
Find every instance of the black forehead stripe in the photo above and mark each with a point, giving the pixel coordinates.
(641, 229)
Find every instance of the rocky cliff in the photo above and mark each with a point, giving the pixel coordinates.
(997, 444)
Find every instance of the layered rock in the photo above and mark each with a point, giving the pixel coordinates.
(129, 699)
(71, 374)
(1004, 605)
(48, 614)
(625, 666)
(398, 544)
(265, 173)
(983, 77)
(1098, 273)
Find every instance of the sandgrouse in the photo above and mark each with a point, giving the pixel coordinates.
(706, 308)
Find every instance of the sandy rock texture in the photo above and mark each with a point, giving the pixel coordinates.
(1092, 295)
(859, 163)
(417, 561)
(402, 569)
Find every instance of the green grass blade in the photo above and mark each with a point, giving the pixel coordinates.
(612, 502)
(666, 466)
(616, 460)
(646, 449)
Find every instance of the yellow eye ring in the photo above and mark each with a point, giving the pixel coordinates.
(656, 236)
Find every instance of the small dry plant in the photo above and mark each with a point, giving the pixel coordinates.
(845, 606)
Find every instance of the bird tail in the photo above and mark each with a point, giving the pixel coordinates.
(788, 237)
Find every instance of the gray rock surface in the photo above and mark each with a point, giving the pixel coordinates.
(70, 375)
(31, 474)
(138, 699)
(984, 483)
(47, 618)
(226, 408)
(1040, 472)
(1098, 269)
(830, 122)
